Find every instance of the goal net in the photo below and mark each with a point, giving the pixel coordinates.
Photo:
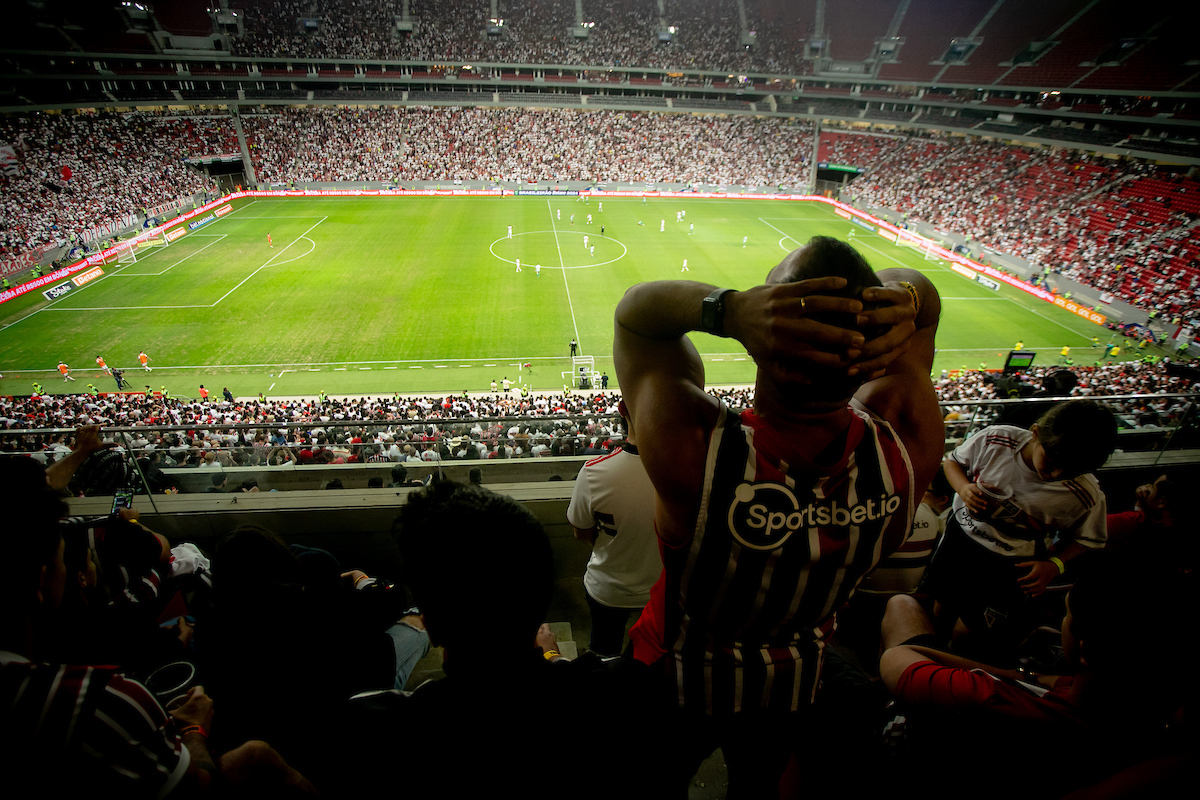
(143, 248)
(583, 373)
(924, 247)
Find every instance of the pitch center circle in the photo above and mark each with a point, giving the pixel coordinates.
(560, 234)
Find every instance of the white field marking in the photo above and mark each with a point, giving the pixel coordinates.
(624, 249)
(435, 366)
(277, 255)
(314, 366)
(364, 368)
(269, 388)
(466, 365)
(1001, 297)
(974, 298)
(416, 368)
(116, 272)
(306, 216)
(562, 264)
(805, 219)
(202, 305)
(219, 237)
(339, 369)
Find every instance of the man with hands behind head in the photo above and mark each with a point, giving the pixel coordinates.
(769, 518)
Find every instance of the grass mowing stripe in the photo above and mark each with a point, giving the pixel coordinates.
(219, 238)
(277, 255)
(563, 264)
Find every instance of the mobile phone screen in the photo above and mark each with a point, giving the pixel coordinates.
(122, 500)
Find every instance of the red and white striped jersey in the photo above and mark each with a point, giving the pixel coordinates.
(90, 730)
(781, 542)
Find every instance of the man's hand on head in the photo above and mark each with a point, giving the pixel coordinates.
(774, 322)
(897, 315)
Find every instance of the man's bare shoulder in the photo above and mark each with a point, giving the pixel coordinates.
(908, 402)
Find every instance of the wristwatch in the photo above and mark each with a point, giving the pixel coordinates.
(712, 312)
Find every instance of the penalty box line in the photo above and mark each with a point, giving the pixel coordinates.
(198, 305)
(106, 276)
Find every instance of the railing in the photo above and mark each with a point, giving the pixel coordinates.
(308, 455)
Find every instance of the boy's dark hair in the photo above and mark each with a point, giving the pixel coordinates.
(1078, 435)
(475, 476)
(399, 474)
(256, 566)
(447, 535)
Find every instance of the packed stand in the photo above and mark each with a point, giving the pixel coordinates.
(79, 172)
(510, 144)
(1126, 228)
(857, 150)
(410, 429)
(623, 33)
(1137, 240)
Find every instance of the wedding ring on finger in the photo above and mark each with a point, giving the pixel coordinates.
(803, 307)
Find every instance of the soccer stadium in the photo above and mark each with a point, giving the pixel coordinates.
(303, 299)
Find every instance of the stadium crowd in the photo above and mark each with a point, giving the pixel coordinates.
(80, 172)
(134, 665)
(623, 33)
(1125, 227)
(509, 144)
(517, 424)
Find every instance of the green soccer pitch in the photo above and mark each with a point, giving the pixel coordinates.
(385, 295)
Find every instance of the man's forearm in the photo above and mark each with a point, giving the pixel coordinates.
(59, 474)
(663, 310)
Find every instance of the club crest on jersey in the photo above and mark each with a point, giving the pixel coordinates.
(763, 516)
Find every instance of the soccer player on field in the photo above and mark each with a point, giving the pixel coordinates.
(510, 231)
(269, 242)
(537, 270)
(585, 240)
(144, 360)
(589, 219)
(518, 265)
(100, 362)
(66, 372)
